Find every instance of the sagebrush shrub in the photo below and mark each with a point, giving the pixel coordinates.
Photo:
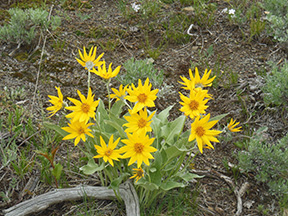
(278, 17)
(276, 87)
(268, 161)
(25, 25)
(140, 69)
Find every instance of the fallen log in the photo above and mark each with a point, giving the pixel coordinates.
(43, 201)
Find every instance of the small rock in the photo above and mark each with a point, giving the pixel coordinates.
(133, 29)
(189, 9)
(194, 48)
(248, 204)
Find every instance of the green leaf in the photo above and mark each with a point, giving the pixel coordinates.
(163, 116)
(101, 112)
(92, 167)
(172, 129)
(159, 120)
(55, 128)
(156, 126)
(170, 185)
(218, 117)
(116, 182)
(116, 109)
(149, 186)
(115, 124)
(187, 176)
(155, 169)
(172, 152)
(57, 171)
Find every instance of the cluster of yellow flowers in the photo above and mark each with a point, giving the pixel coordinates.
(138, 145)
(194, 106)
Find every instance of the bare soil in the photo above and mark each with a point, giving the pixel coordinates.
(233, 53)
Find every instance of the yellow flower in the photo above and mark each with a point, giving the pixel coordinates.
(89, 61)
(138, 122)
(188, 84)
(102, 72)
(84, 109)
(56, 101)
(196, 81)
(108, 152)
(231, 126)
(77, 130)
(195, 104)
(142, 95)
(119, 94)
(138, 148)
(138, 173)
(200, 131)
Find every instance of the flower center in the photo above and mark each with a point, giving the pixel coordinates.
(89, 65)
(142, 98)
(81, 130)
(108, 152)
(199, 85)
(139, 173)
(142, 123)
(200, 131)
(193, 105)
(138, 147)
(85, 108)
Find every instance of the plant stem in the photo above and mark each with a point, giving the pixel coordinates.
(109, 99)
(88, 81)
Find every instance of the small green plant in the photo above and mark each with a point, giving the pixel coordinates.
(262, 210)
(176, 27)
(83, 16)
(12, 94)
(278, 18)
(140, 69)
(59, 45)
(5, 196)
(269, 162)
(25, 25)
(8, 148)
(256, 27)
(126, 9)
(149, 8)
(181, 201)
(152, 51)
(204, 12)
(56, 167)
(276, 87)
(247, 13)
(109, 45)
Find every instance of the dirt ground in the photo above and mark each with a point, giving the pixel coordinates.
(240, 64)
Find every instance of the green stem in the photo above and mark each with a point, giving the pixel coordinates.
(101, 178)
(108, 174)
(119, 167)
(109, 98)
(180, 161)
(190, 159)
(89, 77)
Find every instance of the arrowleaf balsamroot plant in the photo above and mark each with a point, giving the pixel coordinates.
(142, 143)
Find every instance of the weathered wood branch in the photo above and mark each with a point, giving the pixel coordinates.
(41, 202)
